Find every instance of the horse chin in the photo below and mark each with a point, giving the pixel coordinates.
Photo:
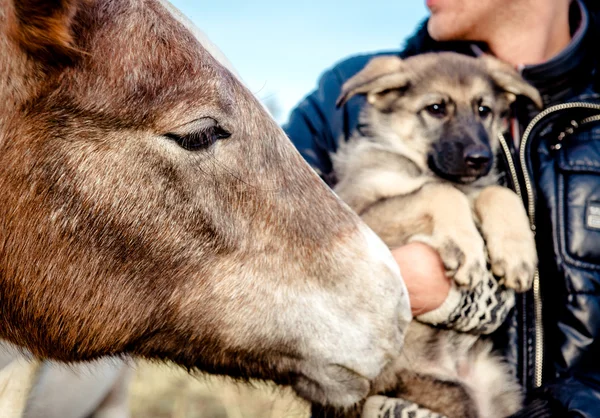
(332, 385)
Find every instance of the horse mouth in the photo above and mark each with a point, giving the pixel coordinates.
(334, 385)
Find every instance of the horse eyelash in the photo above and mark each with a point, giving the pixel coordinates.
(200, 139)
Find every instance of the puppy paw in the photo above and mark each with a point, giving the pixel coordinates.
(464, 258)
(473, 269)
(513, 259)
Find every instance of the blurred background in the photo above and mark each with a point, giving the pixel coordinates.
(279, 48)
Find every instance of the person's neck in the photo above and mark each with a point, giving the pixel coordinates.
(536, 34)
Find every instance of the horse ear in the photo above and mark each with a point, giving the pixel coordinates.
(507, 79)
(43, 28)
(383, 73)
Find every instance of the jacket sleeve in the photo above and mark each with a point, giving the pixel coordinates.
(315, 124)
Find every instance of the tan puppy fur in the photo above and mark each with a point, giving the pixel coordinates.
(421, 169)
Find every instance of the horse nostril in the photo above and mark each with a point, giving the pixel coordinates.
(477, 157)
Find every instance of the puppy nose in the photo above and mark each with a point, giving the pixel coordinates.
(477, 156)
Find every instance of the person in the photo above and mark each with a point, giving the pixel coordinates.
(552, 336)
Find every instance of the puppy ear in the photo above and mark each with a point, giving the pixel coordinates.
(383, 73)
(43, 28)
(509, 80)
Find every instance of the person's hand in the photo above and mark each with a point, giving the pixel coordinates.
(424, 275)
(436, 300)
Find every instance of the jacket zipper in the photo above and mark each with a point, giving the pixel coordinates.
(517, 187)
(594, 118)
(537, 297)
(511, 164)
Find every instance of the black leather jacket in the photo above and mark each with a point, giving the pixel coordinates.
(552, 339)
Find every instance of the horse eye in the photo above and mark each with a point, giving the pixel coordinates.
(437, 110)
(200, 139)
(484, 111)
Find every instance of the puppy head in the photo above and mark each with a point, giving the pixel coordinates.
(444, 111)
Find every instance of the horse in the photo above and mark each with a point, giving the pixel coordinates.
(152, 208)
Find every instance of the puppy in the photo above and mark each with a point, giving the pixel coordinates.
(421, 168)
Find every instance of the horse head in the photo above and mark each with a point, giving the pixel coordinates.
(150, 206)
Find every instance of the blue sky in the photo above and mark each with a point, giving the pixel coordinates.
(280, 48)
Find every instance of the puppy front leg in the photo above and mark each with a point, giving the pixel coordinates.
(454, 233)
(506, 230)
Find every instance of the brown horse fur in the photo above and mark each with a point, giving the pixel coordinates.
(232, 259)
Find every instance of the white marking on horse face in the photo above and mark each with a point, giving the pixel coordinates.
(200, 36)
(345, 332)
(356, 327)
(379, 251)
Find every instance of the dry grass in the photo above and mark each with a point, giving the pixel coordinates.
(160, 391)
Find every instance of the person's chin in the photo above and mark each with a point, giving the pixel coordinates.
(442, 28)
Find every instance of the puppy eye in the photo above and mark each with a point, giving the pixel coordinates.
(437, 110)
(484, 111)
(199, 139)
